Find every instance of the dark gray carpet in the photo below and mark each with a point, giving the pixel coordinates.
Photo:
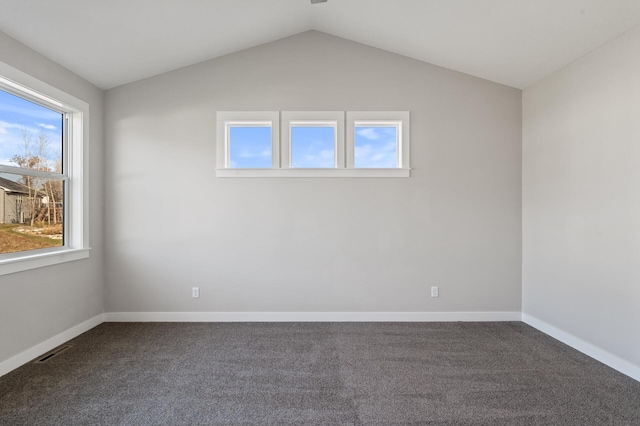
(318, 373)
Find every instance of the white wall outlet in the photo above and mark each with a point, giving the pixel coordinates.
(195, 292)
(434, 291)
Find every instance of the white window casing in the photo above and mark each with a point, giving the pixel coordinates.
(333, 119)
(398, 119)
(344, 123)
(227, 119)
(74, 176)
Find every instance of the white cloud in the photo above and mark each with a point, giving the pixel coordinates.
(248, 153)
(7, 162)
(47, 126)
(369, 133)
(363, 150)
(327, 154)
(4, 126)
(323, 159)
(376, 155)
(389, 146)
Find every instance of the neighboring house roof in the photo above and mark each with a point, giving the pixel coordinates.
(11, 186)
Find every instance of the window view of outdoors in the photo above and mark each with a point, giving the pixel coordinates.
(249, 147)
(31, 207)
(376, 147)
(313, 147)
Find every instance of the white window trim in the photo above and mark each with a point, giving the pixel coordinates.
(76, 156)
(313, 173)
(281, 148)
(313, 118)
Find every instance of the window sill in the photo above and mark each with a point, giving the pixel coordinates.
(313, 173)
(18, 262)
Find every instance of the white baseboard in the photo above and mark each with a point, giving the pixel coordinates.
(310, 316)
(595, 352)
(44, 347)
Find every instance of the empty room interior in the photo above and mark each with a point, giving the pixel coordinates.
(307, 212)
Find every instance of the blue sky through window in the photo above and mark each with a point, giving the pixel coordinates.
(17, 116)
(249, 147)
(376, 147)
(313, 147)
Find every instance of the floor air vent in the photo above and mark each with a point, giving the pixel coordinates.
(57, 351)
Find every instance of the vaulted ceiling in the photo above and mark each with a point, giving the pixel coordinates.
(513, 42)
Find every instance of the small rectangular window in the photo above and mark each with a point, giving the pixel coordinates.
(312, 145)
(378, 140)
(248, 140)
(313, 139)
(249, 145)
(376, 145)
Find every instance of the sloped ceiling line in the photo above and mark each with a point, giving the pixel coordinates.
(513, 42)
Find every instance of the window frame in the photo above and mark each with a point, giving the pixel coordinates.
(75, 158)
(227, 119)
(281, 143)
(333, 119)
(398, 119)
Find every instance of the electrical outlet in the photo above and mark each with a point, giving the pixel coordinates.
(195, 292)
(434, 291)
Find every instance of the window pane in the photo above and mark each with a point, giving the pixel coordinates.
(376, 147)
(313, 147)
(31, 213)
(249, 147)
(30, 134)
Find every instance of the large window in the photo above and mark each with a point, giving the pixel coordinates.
(313, 144)
(42, 193)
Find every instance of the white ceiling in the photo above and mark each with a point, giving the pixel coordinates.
(514, 42)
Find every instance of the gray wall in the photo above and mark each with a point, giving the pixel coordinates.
(581, 198)
(38, 304)
(313, 244)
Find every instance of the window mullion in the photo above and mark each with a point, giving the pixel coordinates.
(341, 142)
(32, 172)
(276, 161)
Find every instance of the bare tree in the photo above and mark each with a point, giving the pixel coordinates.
(33, 157)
